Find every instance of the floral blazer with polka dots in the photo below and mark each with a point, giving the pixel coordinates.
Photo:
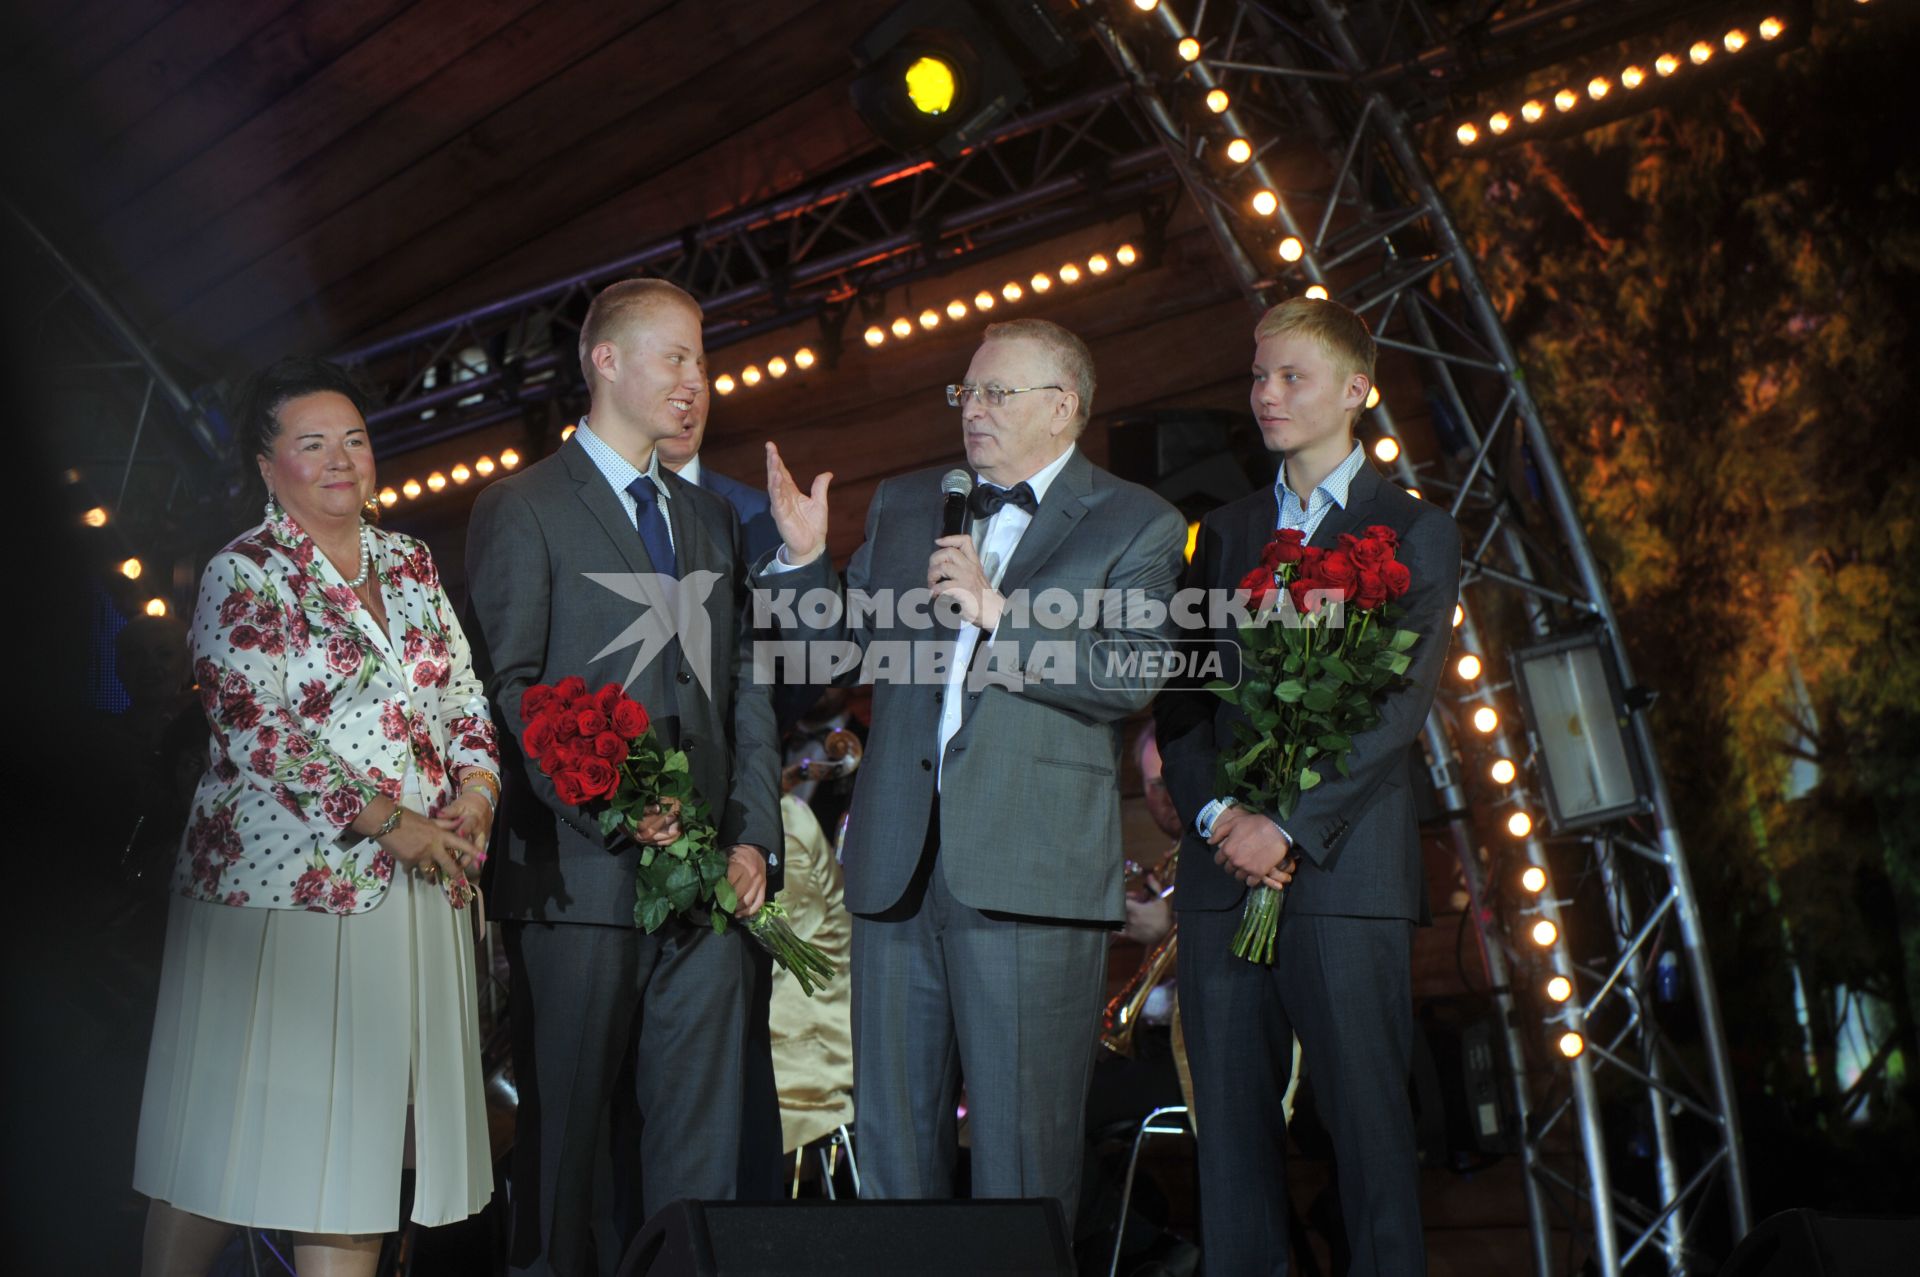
(315, 711)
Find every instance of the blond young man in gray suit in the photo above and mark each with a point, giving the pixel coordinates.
(983, 854)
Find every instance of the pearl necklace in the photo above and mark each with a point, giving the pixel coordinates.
(366, 558)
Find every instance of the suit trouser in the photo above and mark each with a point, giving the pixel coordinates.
(1344, 985)
(589, 1005)
(942, 990)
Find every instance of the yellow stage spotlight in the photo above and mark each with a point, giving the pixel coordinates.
(1467, 134)
(1387, 449)
(1218, 101)
(1534, 879)
(1559, 989)
(131, 569)
(1125, 255)
(1544, 933)
(509, 458)
(484, 466)
(931, 85)
(1485, 719)
(96, 517)
(803, 358)
(1188, 49)
(1468, 667)
(156, 607)
(460, 473)
(902, 327)
(1503, 771)
(956, 309)
(1520, 824)
(1291, 249)
(1572, 1044)
(1239, 150)
(1317, 291)
(411, 489)
(929, 319)
(750, 375)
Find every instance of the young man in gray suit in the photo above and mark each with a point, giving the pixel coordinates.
(596, 1003)
(1349, 855)
(983, 853)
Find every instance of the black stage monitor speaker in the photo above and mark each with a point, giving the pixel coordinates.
(1802, 1243)
(749, 1239)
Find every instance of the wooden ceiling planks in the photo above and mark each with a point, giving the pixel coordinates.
(62, 43)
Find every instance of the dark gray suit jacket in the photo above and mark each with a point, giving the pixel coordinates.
(1030, 800)
(535, 617)
(1359, 833)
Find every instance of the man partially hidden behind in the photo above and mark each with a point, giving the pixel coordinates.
(1349, 855)
(596, 1003)
(983, 854)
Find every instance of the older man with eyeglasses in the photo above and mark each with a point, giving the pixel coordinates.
(983, 852)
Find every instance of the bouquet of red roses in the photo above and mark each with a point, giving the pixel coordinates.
(602, 754)
(1311, 683)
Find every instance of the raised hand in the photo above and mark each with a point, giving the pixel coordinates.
(801, 517)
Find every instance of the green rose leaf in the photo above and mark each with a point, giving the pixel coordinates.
(1309, 778)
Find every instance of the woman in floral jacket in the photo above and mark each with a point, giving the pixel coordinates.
(317, 1015)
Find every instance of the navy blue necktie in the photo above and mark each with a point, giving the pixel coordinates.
(653, 526)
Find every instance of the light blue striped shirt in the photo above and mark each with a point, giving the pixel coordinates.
(620, 473)
(1292, 513)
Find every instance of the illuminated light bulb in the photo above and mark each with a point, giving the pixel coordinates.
(1317, 291)
(1069, 274)
(1146, 6)
(411, 489)
(509, 458)
(1770, 28)
(875, 334)
(1503, 771)
(931, 85)
(96, 517)
(1416, 494)
(71, 475)
(389, 497)
(1632, 78)
(750, 375)
(131, 569)
(1499, 122)
(1565, 99)
(724, 383)
(1459, 614)
(1734, 40)
(436, 481)
(1485, 719)
(1239, 150)
(1598, 87)
(1544, 933)
(1572, 1044)
(1387, 449)
(902, 327)
(1291, 249)
(1218, 101)
(1559, 989)
(956, 309)
(1468, 667)
(1012, 291)
(1373, 398)
(1534, 879)
(777, 366)
(1520, 824)
(983, 300)
(1099, 264)
(1700, 52)
(1532, 111)
(155, 607)
(483, 467)
(803, 358)
(1125, 255)
(460, 473)
(1265, 202)
(1188, 49)
(1666, 64)
(566, 433)
(1467, 134)
(1041, 281)
(929, 319)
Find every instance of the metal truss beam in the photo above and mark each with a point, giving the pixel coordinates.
(811, 253)
(1358, 214)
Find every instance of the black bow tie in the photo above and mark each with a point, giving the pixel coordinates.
(985, 500)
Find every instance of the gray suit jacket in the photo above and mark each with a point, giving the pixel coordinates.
(1029, 801)
(535, 617)
(1358, 832)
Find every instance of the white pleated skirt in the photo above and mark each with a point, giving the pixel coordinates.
(287, 1047)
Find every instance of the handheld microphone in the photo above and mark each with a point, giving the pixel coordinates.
(955, 485)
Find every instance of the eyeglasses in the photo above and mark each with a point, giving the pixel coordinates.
(992, 396)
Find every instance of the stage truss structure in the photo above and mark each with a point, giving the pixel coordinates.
(1327, 194)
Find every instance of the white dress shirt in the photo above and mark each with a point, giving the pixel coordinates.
(620, 473)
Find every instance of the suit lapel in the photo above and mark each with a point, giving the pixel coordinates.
(1062, 508)
(1347, 518)
(598, 496)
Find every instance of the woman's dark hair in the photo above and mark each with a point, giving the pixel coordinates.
(271, 388)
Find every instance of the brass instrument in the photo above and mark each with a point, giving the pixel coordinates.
(1122, 1014)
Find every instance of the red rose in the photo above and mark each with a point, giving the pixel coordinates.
(630, 719)
(598, 779)
(538, 699)
(1338, 571)
(607, 697)
(343, 654)
(1371, 553)
(1288, 545)
(393, 720)
(1396, 578)
(1258, 584)
(311, 886)
(343, 896)
(237, 605)
(272, 643)
(413, 646)
(430, 674)
(242, 713)
(1300, 589)
(261, 760)
(1372, 589)
(235, 898)
(610, 746)
(1381, 532)
(567, 787)
(298, 746)
(314, 774)
(342, 805)
(566, 726)
(382, 865)
(591, 722)
(285, 798)
(571, 688)
(540, 736)
(316, 699)
(244, 637)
